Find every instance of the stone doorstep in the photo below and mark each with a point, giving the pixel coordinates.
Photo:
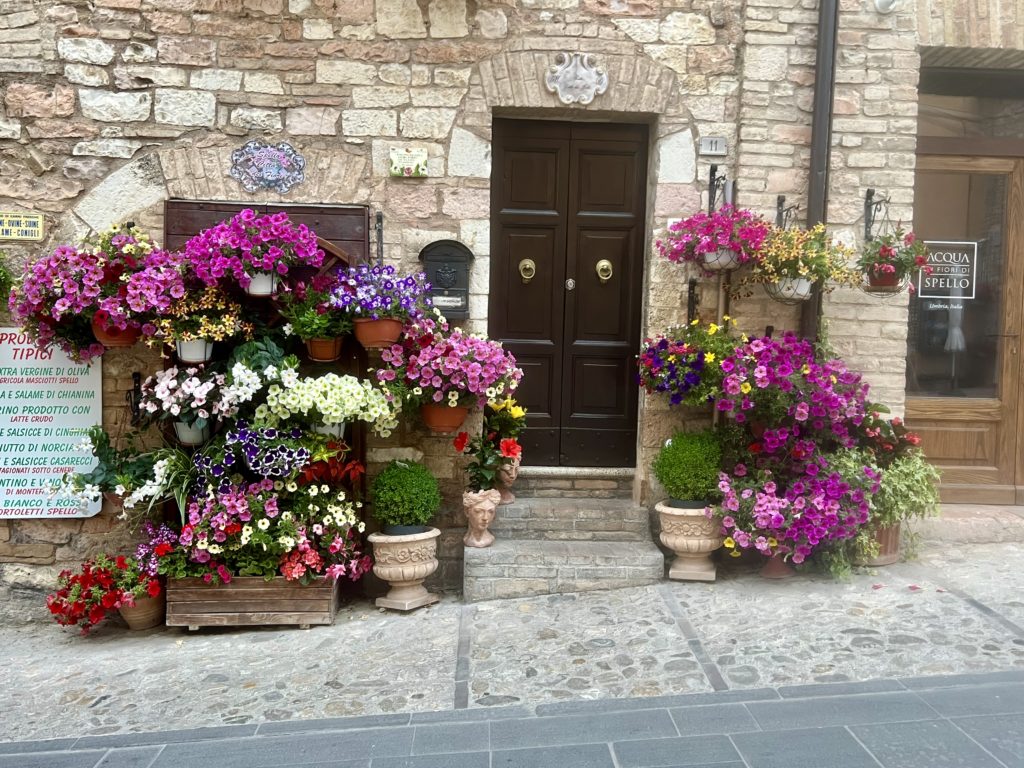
(972, 524)
(576, 482)
(528, 567)
(572, 519)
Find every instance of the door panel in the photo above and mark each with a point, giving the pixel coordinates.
(963, 361)
(567, 197)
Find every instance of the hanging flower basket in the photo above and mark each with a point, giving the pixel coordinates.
(377, 334)
(442, 419)
(262, 284)
(194, 351)
(190, 435)
(111, 336)
(886, 282)
(324, 350)
(721, 260)
(789, 290)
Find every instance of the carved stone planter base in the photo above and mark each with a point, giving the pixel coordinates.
(404, 597)
(404, 562)
(693, 536)
(692, 568)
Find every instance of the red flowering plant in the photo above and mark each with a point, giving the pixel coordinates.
(489, 453)
(894, 255)
(886, 440)
(102, 585)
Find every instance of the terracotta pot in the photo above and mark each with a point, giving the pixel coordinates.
(262, 284)
(115, 501)
(507, 475)
(721, 260)
(195, 351)
(883, 280)
(115, 337)
(777, 568)
(888, 538)
(148, 612)
(324, 350)
(377, 334)
(693, 536)
(404, 562)
(480, 507)
(442, 419)
(190, 435)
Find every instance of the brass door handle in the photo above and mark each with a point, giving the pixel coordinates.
(527, 270)
(604, 270)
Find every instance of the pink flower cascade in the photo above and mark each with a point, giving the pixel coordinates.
(153, 290)
(247, 244)
(455, 368)
(729, 228)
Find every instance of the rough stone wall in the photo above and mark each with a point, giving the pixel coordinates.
(971, 23)
(110, 107)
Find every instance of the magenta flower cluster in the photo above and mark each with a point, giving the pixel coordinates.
(729, 228)
(248, 244)
(380, 292)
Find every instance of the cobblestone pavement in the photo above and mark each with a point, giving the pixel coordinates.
(949, 612)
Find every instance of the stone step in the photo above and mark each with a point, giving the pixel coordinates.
(522, 568)
(575, 482)
(573, 519)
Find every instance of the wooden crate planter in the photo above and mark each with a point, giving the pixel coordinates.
(250, 601)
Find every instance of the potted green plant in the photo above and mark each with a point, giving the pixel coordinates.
(312, 317)
(687, 466)
(117, 473)
(907, 491)
(404, 498)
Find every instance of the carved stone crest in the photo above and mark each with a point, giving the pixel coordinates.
(576, 78)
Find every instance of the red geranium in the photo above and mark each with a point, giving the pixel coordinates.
(510, 449)
(461, 441)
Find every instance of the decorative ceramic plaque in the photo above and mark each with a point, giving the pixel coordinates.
(18, 225)
(409, 162)
(47, 403)
(576, 78)
(258, 165)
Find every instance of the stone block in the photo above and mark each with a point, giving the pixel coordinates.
(255, 118)
(345, 72)
(317, 29)
(396, 74)
(677, 161)
(687, 29)
(370, 97)
(146, 76)
(216, 79)
(312, 121)
(36, 554)
(369, 122)
(262, 82)
(132, 188)
(191, 51)
(400, 19)
(181, 107)
(107, 148)
(114, 107)
(469, 155)
(31, 100)
(86, 74)
(466, 203)
(85, 50)
(427, 123)
(448, 18)
(768, 63)
(138, 53)
(492, 23)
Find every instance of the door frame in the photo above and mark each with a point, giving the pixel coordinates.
(1011, 369)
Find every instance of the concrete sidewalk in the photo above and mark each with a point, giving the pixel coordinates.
(952, 611)
(976, 721)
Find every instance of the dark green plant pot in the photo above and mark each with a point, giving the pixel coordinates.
(404, 530)
(687, 503)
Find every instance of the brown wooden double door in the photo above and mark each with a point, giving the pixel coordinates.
(567, 234)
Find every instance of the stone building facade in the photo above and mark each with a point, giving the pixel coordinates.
(110, 107)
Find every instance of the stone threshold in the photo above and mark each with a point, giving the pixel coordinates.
(578, 473)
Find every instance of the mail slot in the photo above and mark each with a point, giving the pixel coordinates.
(446, 263)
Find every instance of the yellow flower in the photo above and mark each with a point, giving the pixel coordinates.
(695, 322)
(712, 329)
(834, 379)
(517, 412)
(709, 357)
(726, 318)
(806, 369)
(734, 553)
(772, 541)
(745, 387)
(728, 543)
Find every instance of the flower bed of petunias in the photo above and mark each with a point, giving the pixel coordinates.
(247, 244)
(448, 367)
(789, 414)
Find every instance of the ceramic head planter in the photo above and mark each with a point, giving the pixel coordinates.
(480, 507)
(506, 476)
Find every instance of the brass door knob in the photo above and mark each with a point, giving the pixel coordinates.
(527, 270)
(604, 270)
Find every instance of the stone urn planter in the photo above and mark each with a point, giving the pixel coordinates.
(480, 508)
(507, 475)
(404, 562)
(693, 536)
(148, 612)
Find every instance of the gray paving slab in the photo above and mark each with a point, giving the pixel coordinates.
(803, 748)
(717, 718)
(581, 729)
(464, 760)
(129, 757)
(46, 745)
(841, 710)
(1001, 735)
(166, 737)
(471, 715)
(583, 756)
(86, 759)
(930, 682)
(333, 724)
(654, 702)
(982, 700)
(922, 745)
(840, 689)
(667, 753)
(451, 737)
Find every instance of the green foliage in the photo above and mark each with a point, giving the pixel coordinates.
(6, 279)
(258, 355)
(126, 468)
(405, 493)
(908, 490)
(688, 465)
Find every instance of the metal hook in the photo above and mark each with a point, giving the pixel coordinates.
(715, 183)
(871, 209)
(783, 215)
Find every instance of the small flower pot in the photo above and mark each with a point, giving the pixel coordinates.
(188, 434)
(721, 260)
(148, 612)
(404, 562)
(262, 284)
(195, 351)
(442, 419)
(885, 282)
(693, 536)
(324, 350)
(888, 538)
(115, 337)
(377, 334)
(777, 568)
(331, 430)
(790, 290)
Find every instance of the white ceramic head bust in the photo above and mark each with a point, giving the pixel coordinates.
(479, 515)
